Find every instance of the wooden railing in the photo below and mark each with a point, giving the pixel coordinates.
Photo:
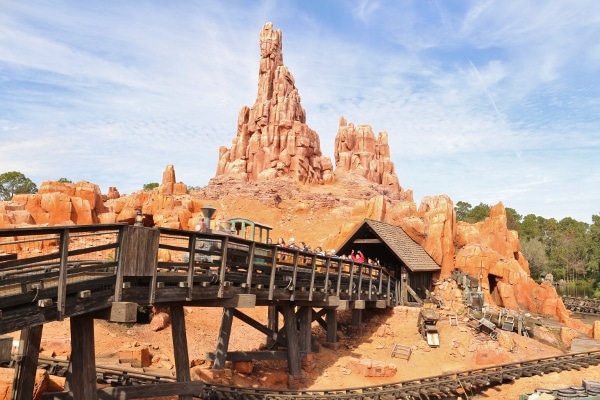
(229, 260)
(59, 269)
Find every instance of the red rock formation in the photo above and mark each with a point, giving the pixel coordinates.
(357, 151)
(273, 139)
(113, 193)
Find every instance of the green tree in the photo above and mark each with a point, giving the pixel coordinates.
(14, 182)
(478, 213)
(65, 180)
(462, 209)
(513, 219)
(593, 247)
(568, 249)
(531, 227)
(535, 252)
(149, 186)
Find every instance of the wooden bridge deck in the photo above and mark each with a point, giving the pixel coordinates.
(106, 271)
(65, 271)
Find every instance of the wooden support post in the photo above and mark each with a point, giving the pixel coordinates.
(27, 360)
(305, 317)
(356, 319)
(331, 316)
(62, 275)
(403, 286)
(180, 348)
(273, 325)
(223, 343)
(293, 350)
(83, 359)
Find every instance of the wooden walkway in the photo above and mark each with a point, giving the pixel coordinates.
(107, 271)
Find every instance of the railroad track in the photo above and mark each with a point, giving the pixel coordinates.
(582, 305)
(449, 385)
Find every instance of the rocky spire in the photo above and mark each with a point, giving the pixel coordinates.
(272, 138)
(358, 151)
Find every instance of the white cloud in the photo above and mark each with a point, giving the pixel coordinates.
(484, 101)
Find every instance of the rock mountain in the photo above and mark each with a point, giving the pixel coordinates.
(274, 173)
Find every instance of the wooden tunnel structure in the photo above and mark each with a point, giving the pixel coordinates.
(88, 272)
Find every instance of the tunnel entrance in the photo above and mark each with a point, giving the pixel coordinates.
(495, 294)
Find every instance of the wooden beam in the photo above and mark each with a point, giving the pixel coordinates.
(185, 390)
(27, 360)
(291, 332)
(272, 325)
(223, 342)
(180, 348)
(330, 301)
(305, 339)
(194, 389)
(62, 277)
(255, 324)
(83, 359)
(358, 304)
(331, 335)
(356, 317)
(367, 241)
(236, 301)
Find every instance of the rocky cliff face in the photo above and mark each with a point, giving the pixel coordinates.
(358, 151)
(273, 139)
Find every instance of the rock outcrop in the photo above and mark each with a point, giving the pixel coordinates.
(273, 139)
(358, 151)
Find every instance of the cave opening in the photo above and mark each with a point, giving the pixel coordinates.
(495, 294)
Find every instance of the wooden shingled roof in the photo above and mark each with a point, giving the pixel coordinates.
(401, 244)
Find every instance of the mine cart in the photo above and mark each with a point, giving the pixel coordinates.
(427, 324)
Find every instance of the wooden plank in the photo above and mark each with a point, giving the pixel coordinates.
(8, 257)
(273, 273)
(185, 390)
(62, 277)
(250, 266)
(180, 347)
(328, 301)
(223, 268)
(27, 360)
(140, 251)
(83, 382)
(236, 301)
(30, 314)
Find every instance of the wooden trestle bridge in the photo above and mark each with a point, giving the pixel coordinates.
(88, 272)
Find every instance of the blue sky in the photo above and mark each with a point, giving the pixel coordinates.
(484, 101)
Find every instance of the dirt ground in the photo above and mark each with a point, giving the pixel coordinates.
(459, 349)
